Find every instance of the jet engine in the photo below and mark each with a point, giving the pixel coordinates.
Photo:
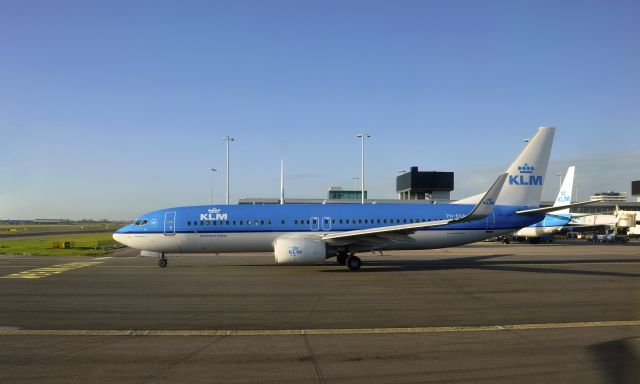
(299, 251)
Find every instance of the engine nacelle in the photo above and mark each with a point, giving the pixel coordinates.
(299, 251)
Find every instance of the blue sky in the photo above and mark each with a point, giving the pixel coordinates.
(113, 108)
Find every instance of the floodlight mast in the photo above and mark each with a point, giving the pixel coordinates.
(227, 139)
(281, 181)
(211, 190)
(362, 136)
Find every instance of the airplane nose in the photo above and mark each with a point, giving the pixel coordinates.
(119, 237)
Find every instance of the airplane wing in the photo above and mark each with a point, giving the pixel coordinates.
(536, 211)
(400, 232)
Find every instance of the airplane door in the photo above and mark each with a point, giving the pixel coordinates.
(169, 223)
(326, 223)
(315, 223)
(491, 222)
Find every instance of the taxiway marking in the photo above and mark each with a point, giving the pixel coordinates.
(335, 331)
(52, 270)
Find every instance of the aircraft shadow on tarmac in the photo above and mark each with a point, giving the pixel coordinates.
(620, 359)
(485, 262)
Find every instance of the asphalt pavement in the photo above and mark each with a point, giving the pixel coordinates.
(479, 313)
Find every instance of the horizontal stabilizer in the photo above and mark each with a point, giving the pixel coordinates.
(536, 211)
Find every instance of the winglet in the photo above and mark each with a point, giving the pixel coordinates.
(488, 201)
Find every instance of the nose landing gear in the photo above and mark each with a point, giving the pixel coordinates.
(162, 262)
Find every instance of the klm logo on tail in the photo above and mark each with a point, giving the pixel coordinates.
(525, 177)
(563, 197)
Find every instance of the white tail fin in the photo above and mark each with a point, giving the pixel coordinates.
(528, 172)
(564, 196)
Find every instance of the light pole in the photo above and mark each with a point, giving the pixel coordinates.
(559, 174)
(227, 139)
(362, 136)
(211, 190)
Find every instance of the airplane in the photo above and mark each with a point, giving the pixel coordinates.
(306, 234)
(553, 221)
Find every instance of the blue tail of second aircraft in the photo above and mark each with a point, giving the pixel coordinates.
(564, 196)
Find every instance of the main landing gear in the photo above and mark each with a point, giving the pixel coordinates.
(351, 261)
(354, 263)
(162, 262)
(341, 258)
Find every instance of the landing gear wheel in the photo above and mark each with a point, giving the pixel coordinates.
(354, 263)
(162, 262)
(341, 258)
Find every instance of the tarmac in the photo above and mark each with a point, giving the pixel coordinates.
(482, 313)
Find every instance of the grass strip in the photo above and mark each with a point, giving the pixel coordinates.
(84, 245)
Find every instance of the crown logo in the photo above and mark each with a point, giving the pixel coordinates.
(526, 168)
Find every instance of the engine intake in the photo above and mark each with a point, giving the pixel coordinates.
(300, 251)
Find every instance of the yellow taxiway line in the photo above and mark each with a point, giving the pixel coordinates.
(53, 270)
(334, 331)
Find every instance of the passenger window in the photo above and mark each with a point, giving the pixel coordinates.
(227, 222)
(347, 221)
(195, 223)
(384, 221)
(411, 221)
(189, 223)
(241, 222)
(366, 221)
(378, 221)
(282, 222)
(234, 222)
(334, 221)
(261, 222)
(308, 222)
(295, 221)
(340, 221)
(248, 222)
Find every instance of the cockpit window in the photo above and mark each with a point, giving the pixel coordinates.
(140, 222)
